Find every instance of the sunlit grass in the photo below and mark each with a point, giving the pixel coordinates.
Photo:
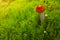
(18, 20)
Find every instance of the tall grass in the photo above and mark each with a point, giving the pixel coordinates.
(18, 20)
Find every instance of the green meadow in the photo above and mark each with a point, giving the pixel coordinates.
(19, 20)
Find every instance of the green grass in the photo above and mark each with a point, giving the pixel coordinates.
(18, 20)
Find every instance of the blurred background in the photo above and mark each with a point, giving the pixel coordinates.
(19, 20)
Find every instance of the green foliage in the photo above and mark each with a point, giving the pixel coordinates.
(19, 20)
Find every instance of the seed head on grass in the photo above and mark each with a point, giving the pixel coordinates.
(46, 15)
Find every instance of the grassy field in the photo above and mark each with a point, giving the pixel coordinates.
(19, 20)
